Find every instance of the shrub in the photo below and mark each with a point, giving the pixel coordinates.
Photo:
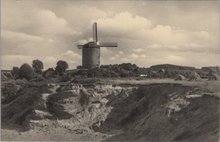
(15, 72)
(37, 66)
(9, 92)
(26, 72)
(61, 67)
(128, 66)
(49, 73)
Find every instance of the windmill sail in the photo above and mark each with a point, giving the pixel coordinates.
(95, 33)
(110, 44)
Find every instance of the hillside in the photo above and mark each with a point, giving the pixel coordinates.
(113, 110)
(171, 67)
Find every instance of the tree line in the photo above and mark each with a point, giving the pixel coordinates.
(29, 72)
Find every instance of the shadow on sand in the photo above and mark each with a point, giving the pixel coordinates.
(143, 115)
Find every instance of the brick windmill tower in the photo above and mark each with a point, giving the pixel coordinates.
(91, 50)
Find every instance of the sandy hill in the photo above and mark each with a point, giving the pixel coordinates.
(143, 111)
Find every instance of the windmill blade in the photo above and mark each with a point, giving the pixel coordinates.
(108, 44)
(80, 46)
(95, 33)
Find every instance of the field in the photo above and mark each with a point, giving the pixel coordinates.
(111, 109)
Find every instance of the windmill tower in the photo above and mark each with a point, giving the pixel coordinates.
(91, 50)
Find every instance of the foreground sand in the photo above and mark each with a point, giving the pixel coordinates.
(143, 110)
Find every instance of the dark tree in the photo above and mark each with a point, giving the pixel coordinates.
(128, 66)
(49, 73)
(26, 72)
(15, 72)
(38, 66)
(61, 67)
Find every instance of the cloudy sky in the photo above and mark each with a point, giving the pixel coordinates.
(147, 32)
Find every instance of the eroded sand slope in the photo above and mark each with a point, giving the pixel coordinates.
(153, 112)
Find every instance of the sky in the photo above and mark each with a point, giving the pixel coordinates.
(147, 32)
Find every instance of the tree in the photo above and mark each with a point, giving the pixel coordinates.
(38, 66)
(61, 67)
(26, 72)
(128, 66)
(49, 73)
(15, 72)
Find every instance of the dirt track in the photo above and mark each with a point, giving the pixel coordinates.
(158, 111)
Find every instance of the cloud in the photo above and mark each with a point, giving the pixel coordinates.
(70, 57)
(134, 56)
(36, 21)
(126, 25)
(134, 27)
(70, 54)
(15, 60)
(202, 34)
(166, 35)
(175, 58)
(138, 50)
(47, 22)
(22, 37)
(81, 15)
(147, 34)
(122, 24)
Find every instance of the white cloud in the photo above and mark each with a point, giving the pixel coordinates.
(138, 50)
(80, 16)
(112, 58)
(121, 52)
(202, 34)
(146, 35)
(22, 37)
(50, 40)
(126, 25)
(15, 60)
(143, 56)
(36, 21)
(47, 22)
(174, 58)
(134, 56)
(69, 56)
(122, 24)
(50, 59)
(155, 36)
(82, 42)
(154, 46)
(166, 35)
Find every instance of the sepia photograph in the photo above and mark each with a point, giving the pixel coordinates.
(110, 70)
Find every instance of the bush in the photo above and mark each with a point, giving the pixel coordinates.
(128, 66)
(117, 70)
(37, 66)
(15, 72)
(49, 73)
(61, 67)
(26, 72)
(9, 92)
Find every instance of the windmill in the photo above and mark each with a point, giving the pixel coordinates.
(91, 50)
